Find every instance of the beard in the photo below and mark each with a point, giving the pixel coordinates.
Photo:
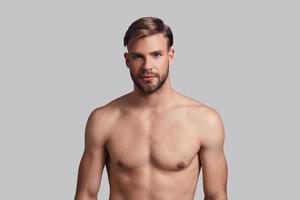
(149, 87)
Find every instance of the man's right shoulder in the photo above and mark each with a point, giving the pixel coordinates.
(105, 113)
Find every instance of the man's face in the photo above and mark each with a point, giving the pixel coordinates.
(148, 60)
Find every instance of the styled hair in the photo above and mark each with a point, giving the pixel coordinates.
(147, 26)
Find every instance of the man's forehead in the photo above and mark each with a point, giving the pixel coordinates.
(156, 42)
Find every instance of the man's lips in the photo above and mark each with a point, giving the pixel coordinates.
(147, 77)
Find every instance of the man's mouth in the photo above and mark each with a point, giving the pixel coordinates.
(147, 77)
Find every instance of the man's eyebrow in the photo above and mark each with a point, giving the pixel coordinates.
(157, 51)
(135, 54)
(153, 52)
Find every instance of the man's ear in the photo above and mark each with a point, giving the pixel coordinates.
(171, 56)
(126, 56)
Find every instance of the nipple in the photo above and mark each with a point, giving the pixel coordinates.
(181, 165)
(120, 163)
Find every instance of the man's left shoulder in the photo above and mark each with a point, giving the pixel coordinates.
(204, 116)
(211, 125)
(209, 114)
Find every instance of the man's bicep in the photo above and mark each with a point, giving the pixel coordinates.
(90, 172)
(212, 158)
(214, 171)
(93, 159)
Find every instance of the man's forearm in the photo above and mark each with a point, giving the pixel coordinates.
(82, 196)
(216, 197)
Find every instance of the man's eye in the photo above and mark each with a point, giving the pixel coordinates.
(157, 54)
(136, 56)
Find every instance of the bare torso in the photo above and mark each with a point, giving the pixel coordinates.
(153, 154)
(153, 139)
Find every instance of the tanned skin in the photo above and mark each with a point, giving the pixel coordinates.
(153, 140)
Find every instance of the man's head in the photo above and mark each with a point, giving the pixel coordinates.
(149, 43)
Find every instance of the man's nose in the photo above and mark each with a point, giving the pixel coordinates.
(147, 64)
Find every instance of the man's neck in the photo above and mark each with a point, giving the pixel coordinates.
(159, 99)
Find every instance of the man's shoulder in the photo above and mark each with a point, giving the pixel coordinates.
(100, 121)
(210, 122)
(204, 112)
(205, 117)
(200, 110)
(194, 108)
(109, 111)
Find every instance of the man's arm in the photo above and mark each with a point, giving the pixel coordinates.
(212, 158)
(93, 159)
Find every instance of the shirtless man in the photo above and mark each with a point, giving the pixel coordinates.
(153, 140)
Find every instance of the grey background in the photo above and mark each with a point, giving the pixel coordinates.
(61, 59)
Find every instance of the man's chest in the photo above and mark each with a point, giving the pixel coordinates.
(168, 143)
